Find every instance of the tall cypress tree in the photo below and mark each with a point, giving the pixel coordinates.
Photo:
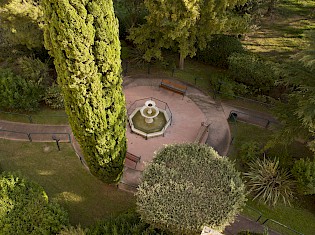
(82, 36)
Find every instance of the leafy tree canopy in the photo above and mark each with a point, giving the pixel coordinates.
(184, 25)
(298, 113)
(21, 22)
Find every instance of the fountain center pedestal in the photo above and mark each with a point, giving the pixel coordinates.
(149, 111)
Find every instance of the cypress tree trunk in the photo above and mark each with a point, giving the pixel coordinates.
(82, 36)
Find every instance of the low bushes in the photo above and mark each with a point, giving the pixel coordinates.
(18, 94)
(248, 152)
(248, 69)
(53, 97)
(25, 208)
(128, 223)
(304, 172)
(218, 50)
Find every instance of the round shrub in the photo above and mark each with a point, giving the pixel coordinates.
(218, 50)
(269, 183)
(54, 98)
(18, 94)
(25, 208)
(189, 186)
(304, 172)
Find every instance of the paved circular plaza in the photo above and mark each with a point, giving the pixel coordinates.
(188, 112)
(185, 124)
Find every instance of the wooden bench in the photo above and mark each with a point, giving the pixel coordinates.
(202, 131)
(172, 86)
(133, 158)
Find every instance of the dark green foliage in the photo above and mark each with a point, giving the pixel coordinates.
(25, 208)
(83, 39)
(304, 172)
(218, 50)
(53, 97)
(18, 94)
(187, 187)
(253, 72)
(184, 26)
(249, 151)
(34, 69)
(297, 112)
(230, 89)
(129, 13)
(128, 223)
(268, 182)
(250, 7)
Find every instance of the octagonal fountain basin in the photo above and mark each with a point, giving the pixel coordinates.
(150, 125)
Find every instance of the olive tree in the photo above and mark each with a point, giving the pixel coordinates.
(188, 186)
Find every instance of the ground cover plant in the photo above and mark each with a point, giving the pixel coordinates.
(302, 209)
(304, 172)
(65, 180)
(128, 223)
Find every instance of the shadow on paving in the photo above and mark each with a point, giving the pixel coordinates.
(244, 224)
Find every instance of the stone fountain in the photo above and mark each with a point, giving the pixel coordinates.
(149, 120)
(149, 111)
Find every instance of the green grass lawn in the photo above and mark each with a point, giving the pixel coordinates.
(44, 116)
(295, 217)
(300, 216)
(282, 34)
(65, 179)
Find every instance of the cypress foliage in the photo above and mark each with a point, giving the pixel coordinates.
(82, 36)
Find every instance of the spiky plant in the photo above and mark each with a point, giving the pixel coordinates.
(268, 182)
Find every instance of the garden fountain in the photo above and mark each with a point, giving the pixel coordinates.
(149, 120)
(149, 111)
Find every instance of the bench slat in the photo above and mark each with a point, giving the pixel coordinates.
(173, 86)
(133, 158)
(201, 133)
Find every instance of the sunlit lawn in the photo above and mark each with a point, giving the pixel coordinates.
(282, 34)
(65, 179)
(44, 116)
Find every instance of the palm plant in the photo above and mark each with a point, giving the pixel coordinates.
(268, 182)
